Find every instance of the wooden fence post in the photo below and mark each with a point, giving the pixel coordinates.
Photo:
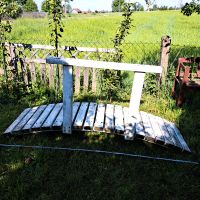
(164, 57)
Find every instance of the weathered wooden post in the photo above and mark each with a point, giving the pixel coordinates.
(164, 57)
(11, 60)
(67, 98)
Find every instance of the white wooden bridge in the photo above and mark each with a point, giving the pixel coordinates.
(70, 116)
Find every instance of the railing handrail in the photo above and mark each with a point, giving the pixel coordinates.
(104, 65)
(68, 63)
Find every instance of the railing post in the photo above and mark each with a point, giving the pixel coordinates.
(67, 98)
(164, 57)
(136, 92)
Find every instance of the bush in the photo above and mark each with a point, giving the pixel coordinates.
(30, 6)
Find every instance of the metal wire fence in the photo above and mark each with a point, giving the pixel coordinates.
(140, 52)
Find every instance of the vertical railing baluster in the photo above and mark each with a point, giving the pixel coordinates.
(67, 98)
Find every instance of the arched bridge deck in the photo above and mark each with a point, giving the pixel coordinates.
(108, 118)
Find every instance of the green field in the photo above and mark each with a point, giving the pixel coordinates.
(97, 30)
(47, 175)
(148, 27)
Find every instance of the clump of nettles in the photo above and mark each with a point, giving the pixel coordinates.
(111, 79)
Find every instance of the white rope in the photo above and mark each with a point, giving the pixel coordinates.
(99, 151)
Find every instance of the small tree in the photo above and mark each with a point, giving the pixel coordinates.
(45, 6)
(117, 5)
(112, 81)
(30, 6)
(193, 7)
(8, 10)
(21, 2)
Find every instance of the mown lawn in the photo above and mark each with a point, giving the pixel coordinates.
(45, 174)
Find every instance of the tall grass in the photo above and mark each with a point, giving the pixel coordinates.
(148, 27)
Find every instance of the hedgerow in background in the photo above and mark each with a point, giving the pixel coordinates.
(117, 5)
(112, 82)
(192, 7)
(30, 6)
(45, 6)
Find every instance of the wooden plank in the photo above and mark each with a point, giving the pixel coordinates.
(19, 118)
(59, 119)
(51, 76)
(65, 48)
(100, 116)
(126, 116)
(33, 72)
(105, 65)
(159, 137)
(136, 91)
(67, 98)
(178, 135)
(34, 118)
(26, 71)
(23, 122)
(43, 116)
(130, 124)
(43, 72)
(147, 127)
(94, 80)
(85, 78)
(168, 139)
(52, 116)
(109, 118)
(139, 128)
(172, 134)
(76, 106)
(77, 80)
(119, 119)
(89, 120)
(35, 60)
(80, 118)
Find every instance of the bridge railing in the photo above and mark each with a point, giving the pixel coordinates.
(28, 63)
(69, 63)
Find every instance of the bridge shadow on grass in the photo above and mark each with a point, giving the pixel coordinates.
(49, 174)
(189, 122)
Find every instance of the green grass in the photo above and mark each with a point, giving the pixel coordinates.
(75, 175)
(147, 27)
(142, 45)
(70, 175)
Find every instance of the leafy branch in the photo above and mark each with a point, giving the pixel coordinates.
(55, 15)
(112, 80)
(189, 8)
